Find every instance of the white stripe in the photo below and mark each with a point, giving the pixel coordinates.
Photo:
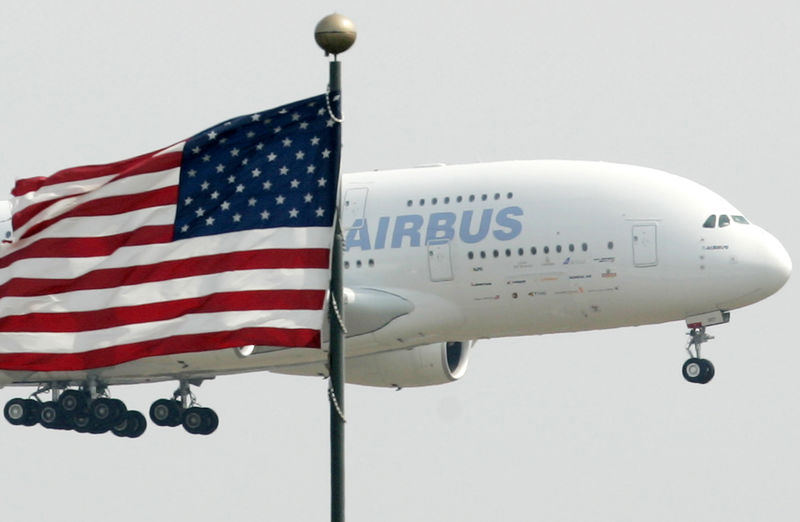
(67, 268)
(182, 288)
(58, 343)
(125, 186)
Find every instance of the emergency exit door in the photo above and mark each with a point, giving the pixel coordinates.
(645, 245)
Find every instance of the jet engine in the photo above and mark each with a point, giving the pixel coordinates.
(424, 365)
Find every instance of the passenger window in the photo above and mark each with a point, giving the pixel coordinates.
(741, 220)
(711, 221)
(724, 221)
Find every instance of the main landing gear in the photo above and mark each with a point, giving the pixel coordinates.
(183, 409)
(80, 410)
(696, 369)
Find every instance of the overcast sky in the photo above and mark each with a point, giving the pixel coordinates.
(591, 426)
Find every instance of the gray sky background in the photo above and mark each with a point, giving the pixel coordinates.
(590, 426)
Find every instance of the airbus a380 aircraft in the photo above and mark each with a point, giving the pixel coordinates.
(439, 257)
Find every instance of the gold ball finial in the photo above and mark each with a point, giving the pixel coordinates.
(335, 34)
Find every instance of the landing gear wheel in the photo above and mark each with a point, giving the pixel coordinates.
(132, 425)
(34, 407)
(193, 420)
(51, 416)
(81, 422)
(72, 401)
(16, 411)
(165, 412)
(698, 371)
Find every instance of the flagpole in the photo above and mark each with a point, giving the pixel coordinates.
(335, 34)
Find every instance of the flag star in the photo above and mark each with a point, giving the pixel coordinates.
(220, 168)
(271, 156)
(322, 182)
(304, 125)
(300, 154)
(329, 123)
(295, 183)
(276, 130)
(265, 215)
(284, 170)
(214, 195)
(234, 152)
(315, 140)
(287, 142)
(308, 197)
(255, 117)
(259, 146)
(293, 213)
(223, 140)
(321, 112)
(185, 228)
(310, 169)
(279, 200)
(212, 135)
(210, 221)
(336, 97)
(251, 134)
(326, 153)
(283, 111)
(204, 185)
(187, 201)
(227, 124)
(245, 161)
(267, 185)
(320, 211)
(200, 212)
(256, 172)
(225, 205)
(239, 188)
(192, 173)
(196, 150)
(206, 158)
(237, 218)
(267, 121)
(295, 117)
(231, 179)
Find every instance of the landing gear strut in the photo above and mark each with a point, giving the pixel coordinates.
(183, 409)
(697, 369)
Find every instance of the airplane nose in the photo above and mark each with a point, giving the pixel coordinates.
(778, 264)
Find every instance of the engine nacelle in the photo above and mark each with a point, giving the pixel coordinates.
(424, 365)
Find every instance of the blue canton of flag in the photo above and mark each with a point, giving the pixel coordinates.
(276, 168)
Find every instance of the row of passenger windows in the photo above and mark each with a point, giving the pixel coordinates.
(458, 199)
(359, 264)
(533, 250)
(724, 221)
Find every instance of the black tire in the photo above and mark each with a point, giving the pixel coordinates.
(16, 411)
(137, 424)
(165, 412)
(72, 401)
(81, 422)
(693, 370)
(210, 421)
(102, 412)
(193, 420)
(51, 416)
(708, 371)
(34, 407)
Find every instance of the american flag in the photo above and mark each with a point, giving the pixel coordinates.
(222, 240)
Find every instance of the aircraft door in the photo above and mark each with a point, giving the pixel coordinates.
(439, 263)
(645, 245)
(355, 203)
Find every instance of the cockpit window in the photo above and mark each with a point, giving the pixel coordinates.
(724, 221)
(711, 222)
(741, 220)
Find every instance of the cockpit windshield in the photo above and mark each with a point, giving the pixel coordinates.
(724, 220)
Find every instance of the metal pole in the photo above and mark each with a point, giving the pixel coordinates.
(335, 34)
(336, 351)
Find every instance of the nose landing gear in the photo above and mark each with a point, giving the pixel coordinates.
(697, 369)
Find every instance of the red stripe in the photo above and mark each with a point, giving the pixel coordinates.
(163, 162)
(113, 355)
(166, 270)
(164, 311)
(89, 246)
(112, 205)
(23, 186)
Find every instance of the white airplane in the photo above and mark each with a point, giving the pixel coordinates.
(439, 257)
